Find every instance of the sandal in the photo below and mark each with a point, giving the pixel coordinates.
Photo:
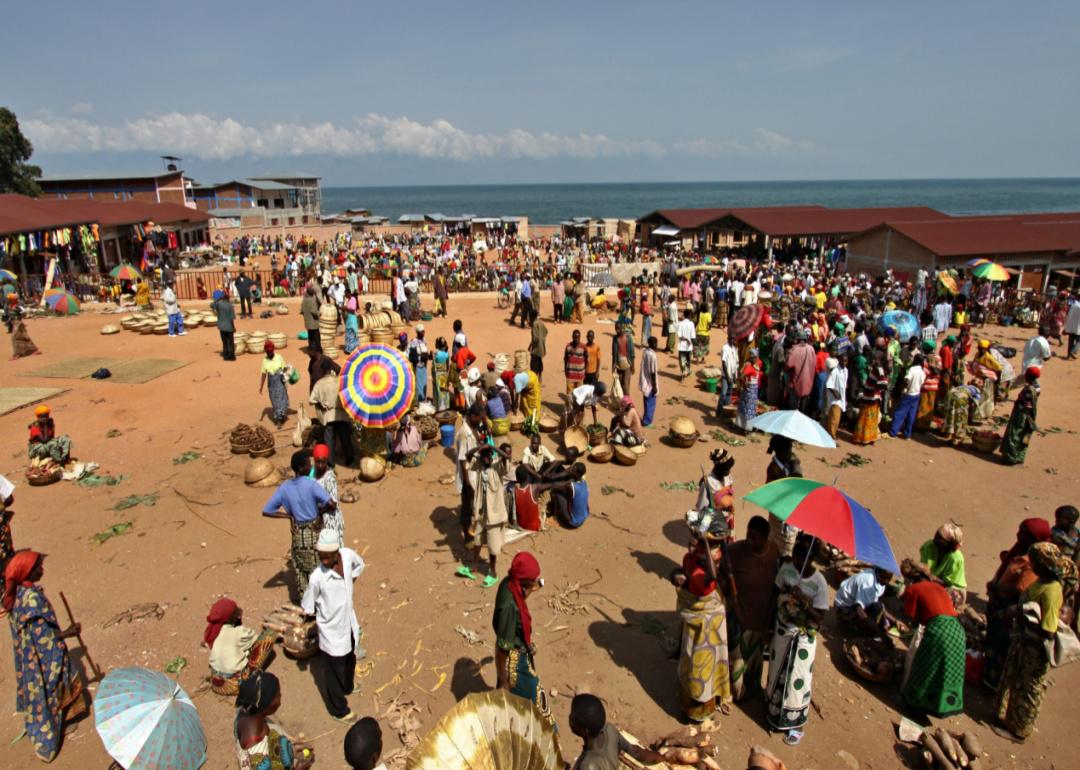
(489, 581)
(793, 737)
(465, 572)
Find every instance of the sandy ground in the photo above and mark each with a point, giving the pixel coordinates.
(185, 555)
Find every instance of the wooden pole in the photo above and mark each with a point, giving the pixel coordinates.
(86, 652)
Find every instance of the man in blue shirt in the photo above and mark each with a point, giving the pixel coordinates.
(526, 299)
(304, 502)
(571, 500)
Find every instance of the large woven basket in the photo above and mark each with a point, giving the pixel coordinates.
(602, 453)
(625, 455)
(679, 440)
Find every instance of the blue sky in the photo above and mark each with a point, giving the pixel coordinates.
(473, 92)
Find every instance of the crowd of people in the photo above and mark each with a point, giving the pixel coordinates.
(802, 335)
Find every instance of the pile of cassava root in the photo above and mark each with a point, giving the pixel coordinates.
(943, 750)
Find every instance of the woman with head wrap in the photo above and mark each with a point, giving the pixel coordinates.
(273, 371)
(47, 691)
(625, 428)
(959, 406)
(868, 423)
(440, 369)
(44, 445)
(261, 744)
(933, 679)
(1022, 422)
(704, 676)
(784, 464)
(941, 561)
(326, 476)
(1025, 678)
(236, 652)
(924, 415)
(1011, 579)
(716, 489)
(515, 669)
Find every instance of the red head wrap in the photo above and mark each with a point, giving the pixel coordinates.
(220, 614)
(320, 452)
(523, 567)
(16, 572)
(268, 347)
(1033, 371)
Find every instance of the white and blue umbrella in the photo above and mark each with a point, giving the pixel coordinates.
(794, 425)
(902, 322)
(147, 722)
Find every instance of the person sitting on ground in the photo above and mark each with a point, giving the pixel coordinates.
(942, 561)
(363, 745)
(858, 602)
(530, 504)
(536, 458)
(602, 741)
(572, 503)
(407, 449)
(625, 428)
(45, 445)
(236, 652)
(260, 743)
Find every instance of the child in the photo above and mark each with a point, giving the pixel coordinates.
(572, 503)
(602, 742)
(363, 745)
(1064, 533)
(490, 516)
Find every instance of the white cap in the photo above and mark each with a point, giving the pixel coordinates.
(419, 328)
(328, 541)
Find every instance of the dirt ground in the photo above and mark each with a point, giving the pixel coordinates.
(183, 555)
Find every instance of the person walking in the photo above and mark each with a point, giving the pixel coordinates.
(687, 333)
(226, 324)
(442, 293)
(329, 599)
(537, 343)
(622, 357)
(649, 381)
(904, 417)
(172, 310)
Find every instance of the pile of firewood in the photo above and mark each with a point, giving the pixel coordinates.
(299, 635)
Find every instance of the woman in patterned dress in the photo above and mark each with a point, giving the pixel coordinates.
(47, 691)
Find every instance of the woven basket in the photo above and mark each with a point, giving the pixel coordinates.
(683, 426)
(625, 455)
(576, 438)
(39, 477)
(447, 417)
(598, 435)
(239, 449)
(372, 469)
(549, 424)
(602, 453)
(517, 421)
(679, 440)
(863, 670)
(986, 442)
(268, 452)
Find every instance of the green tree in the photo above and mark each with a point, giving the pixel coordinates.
(16, 175)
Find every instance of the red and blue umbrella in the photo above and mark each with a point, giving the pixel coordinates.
(125, 272)
(377, 385)
(825, 512)
(62, 302)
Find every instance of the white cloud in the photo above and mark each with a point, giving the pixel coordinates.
(206, 137)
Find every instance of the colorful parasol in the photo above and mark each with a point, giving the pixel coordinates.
(146, 721)
(6, 276)
(795, 426)
(902, 322)
(8, 288)
(494, 730)
(125, 272)
(949, 283)
(745, 321)
(991, 271)
(62, 302)
(976, 262)
(377, 385)
(827, 513)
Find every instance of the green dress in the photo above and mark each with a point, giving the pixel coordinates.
(1021, 425)
(510, 638)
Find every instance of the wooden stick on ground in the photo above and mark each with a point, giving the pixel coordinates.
(86, 652)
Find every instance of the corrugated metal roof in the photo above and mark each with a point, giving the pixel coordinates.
(19, 213)
(980, 236)
(109, 177)
(791, 221)
(274, 177)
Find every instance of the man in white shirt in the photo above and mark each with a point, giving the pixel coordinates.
(729, 374)
(904, 416)
(686, 333)
(1037, 350)
(737, 287)
(1072, 328)
(329, 598)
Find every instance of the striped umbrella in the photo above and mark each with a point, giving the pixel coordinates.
(977, 261)
(62, 302)
(6, 276)
(991, 271)
(125, 272)
(377, 385)
(827, 513)
(147, 722)
(949, 283)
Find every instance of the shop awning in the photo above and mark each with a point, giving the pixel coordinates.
(666, 230)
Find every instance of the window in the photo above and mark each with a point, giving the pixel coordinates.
(263, 203)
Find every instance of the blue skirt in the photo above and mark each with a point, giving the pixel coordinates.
(279, 395)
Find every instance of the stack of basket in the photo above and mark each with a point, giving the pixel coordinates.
(328, 317)
(240, 341)
(502, 363)
(683, 433)
(521, 361)
(382, 336)
(255, 342)
(280, 340)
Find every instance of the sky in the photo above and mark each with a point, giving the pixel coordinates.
(477, 92)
